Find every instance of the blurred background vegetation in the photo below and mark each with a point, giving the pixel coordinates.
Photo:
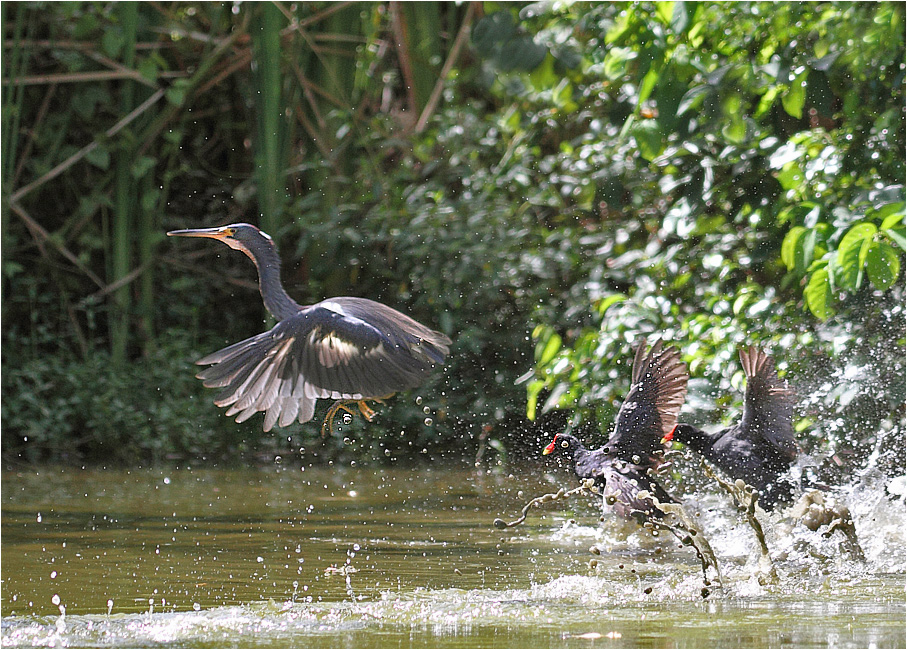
(544, 182)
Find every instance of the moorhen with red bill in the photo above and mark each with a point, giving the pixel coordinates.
(761, 447)
(649, 413)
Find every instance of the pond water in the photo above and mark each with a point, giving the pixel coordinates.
(329, 557)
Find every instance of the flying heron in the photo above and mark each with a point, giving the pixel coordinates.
(347, 349)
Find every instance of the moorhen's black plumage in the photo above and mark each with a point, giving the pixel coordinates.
(649, 412)
(761, 447)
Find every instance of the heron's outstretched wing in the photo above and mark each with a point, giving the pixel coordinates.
(343, 348)
(649, 412)
(768, 405)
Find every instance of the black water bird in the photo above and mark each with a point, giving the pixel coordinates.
(346, 349)
(760, 448)
(621, 467)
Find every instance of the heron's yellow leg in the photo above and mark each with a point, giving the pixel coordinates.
(343, 405)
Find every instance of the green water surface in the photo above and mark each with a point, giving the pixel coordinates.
(283, 557)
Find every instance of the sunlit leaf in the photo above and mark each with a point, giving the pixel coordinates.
(532, 395)
(665, 11)
(647, 85)
(856, 234)
(547, 348)
(852, 253)
(613, 299)
(789, 245)
(795, 97)
(818, 294)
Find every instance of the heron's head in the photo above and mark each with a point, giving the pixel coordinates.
(563, 445)
(242, 236)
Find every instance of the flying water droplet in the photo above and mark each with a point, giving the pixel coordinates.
(429, 422)
(347, 418)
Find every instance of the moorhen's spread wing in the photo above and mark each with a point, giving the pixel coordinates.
(768, 406)
(342, 348)
(649, 412)
(761, 447)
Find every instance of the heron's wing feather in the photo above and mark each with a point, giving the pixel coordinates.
(650, 409)
(357, 345)
(768, 404)
(345, 348)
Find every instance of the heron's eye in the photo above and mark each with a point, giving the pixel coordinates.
(565, 444)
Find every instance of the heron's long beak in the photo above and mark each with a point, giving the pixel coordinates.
(212, 233)
(549, 449)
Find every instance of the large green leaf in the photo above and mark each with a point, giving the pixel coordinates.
(882, 264)
(857, 233)
(852, 252)
(521, 53)
(649, 138)
(789, 246)
(805, 251)
(492, 31)
(548, 346)
(818, 294)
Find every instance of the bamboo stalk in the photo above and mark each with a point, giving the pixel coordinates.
(269, 145)
(452, 58)
(423, 21)
(124, 216)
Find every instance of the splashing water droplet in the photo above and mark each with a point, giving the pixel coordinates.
(426, 410)
(428, 422)
(56, 599)
(347, 418)
(196, 607)
(418, 400)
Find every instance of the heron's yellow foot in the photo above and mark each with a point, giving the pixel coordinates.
(343, 405)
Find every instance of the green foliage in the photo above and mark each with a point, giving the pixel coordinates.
(721, 174)
(58, 408)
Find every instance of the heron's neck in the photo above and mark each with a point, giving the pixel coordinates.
(275, 297)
